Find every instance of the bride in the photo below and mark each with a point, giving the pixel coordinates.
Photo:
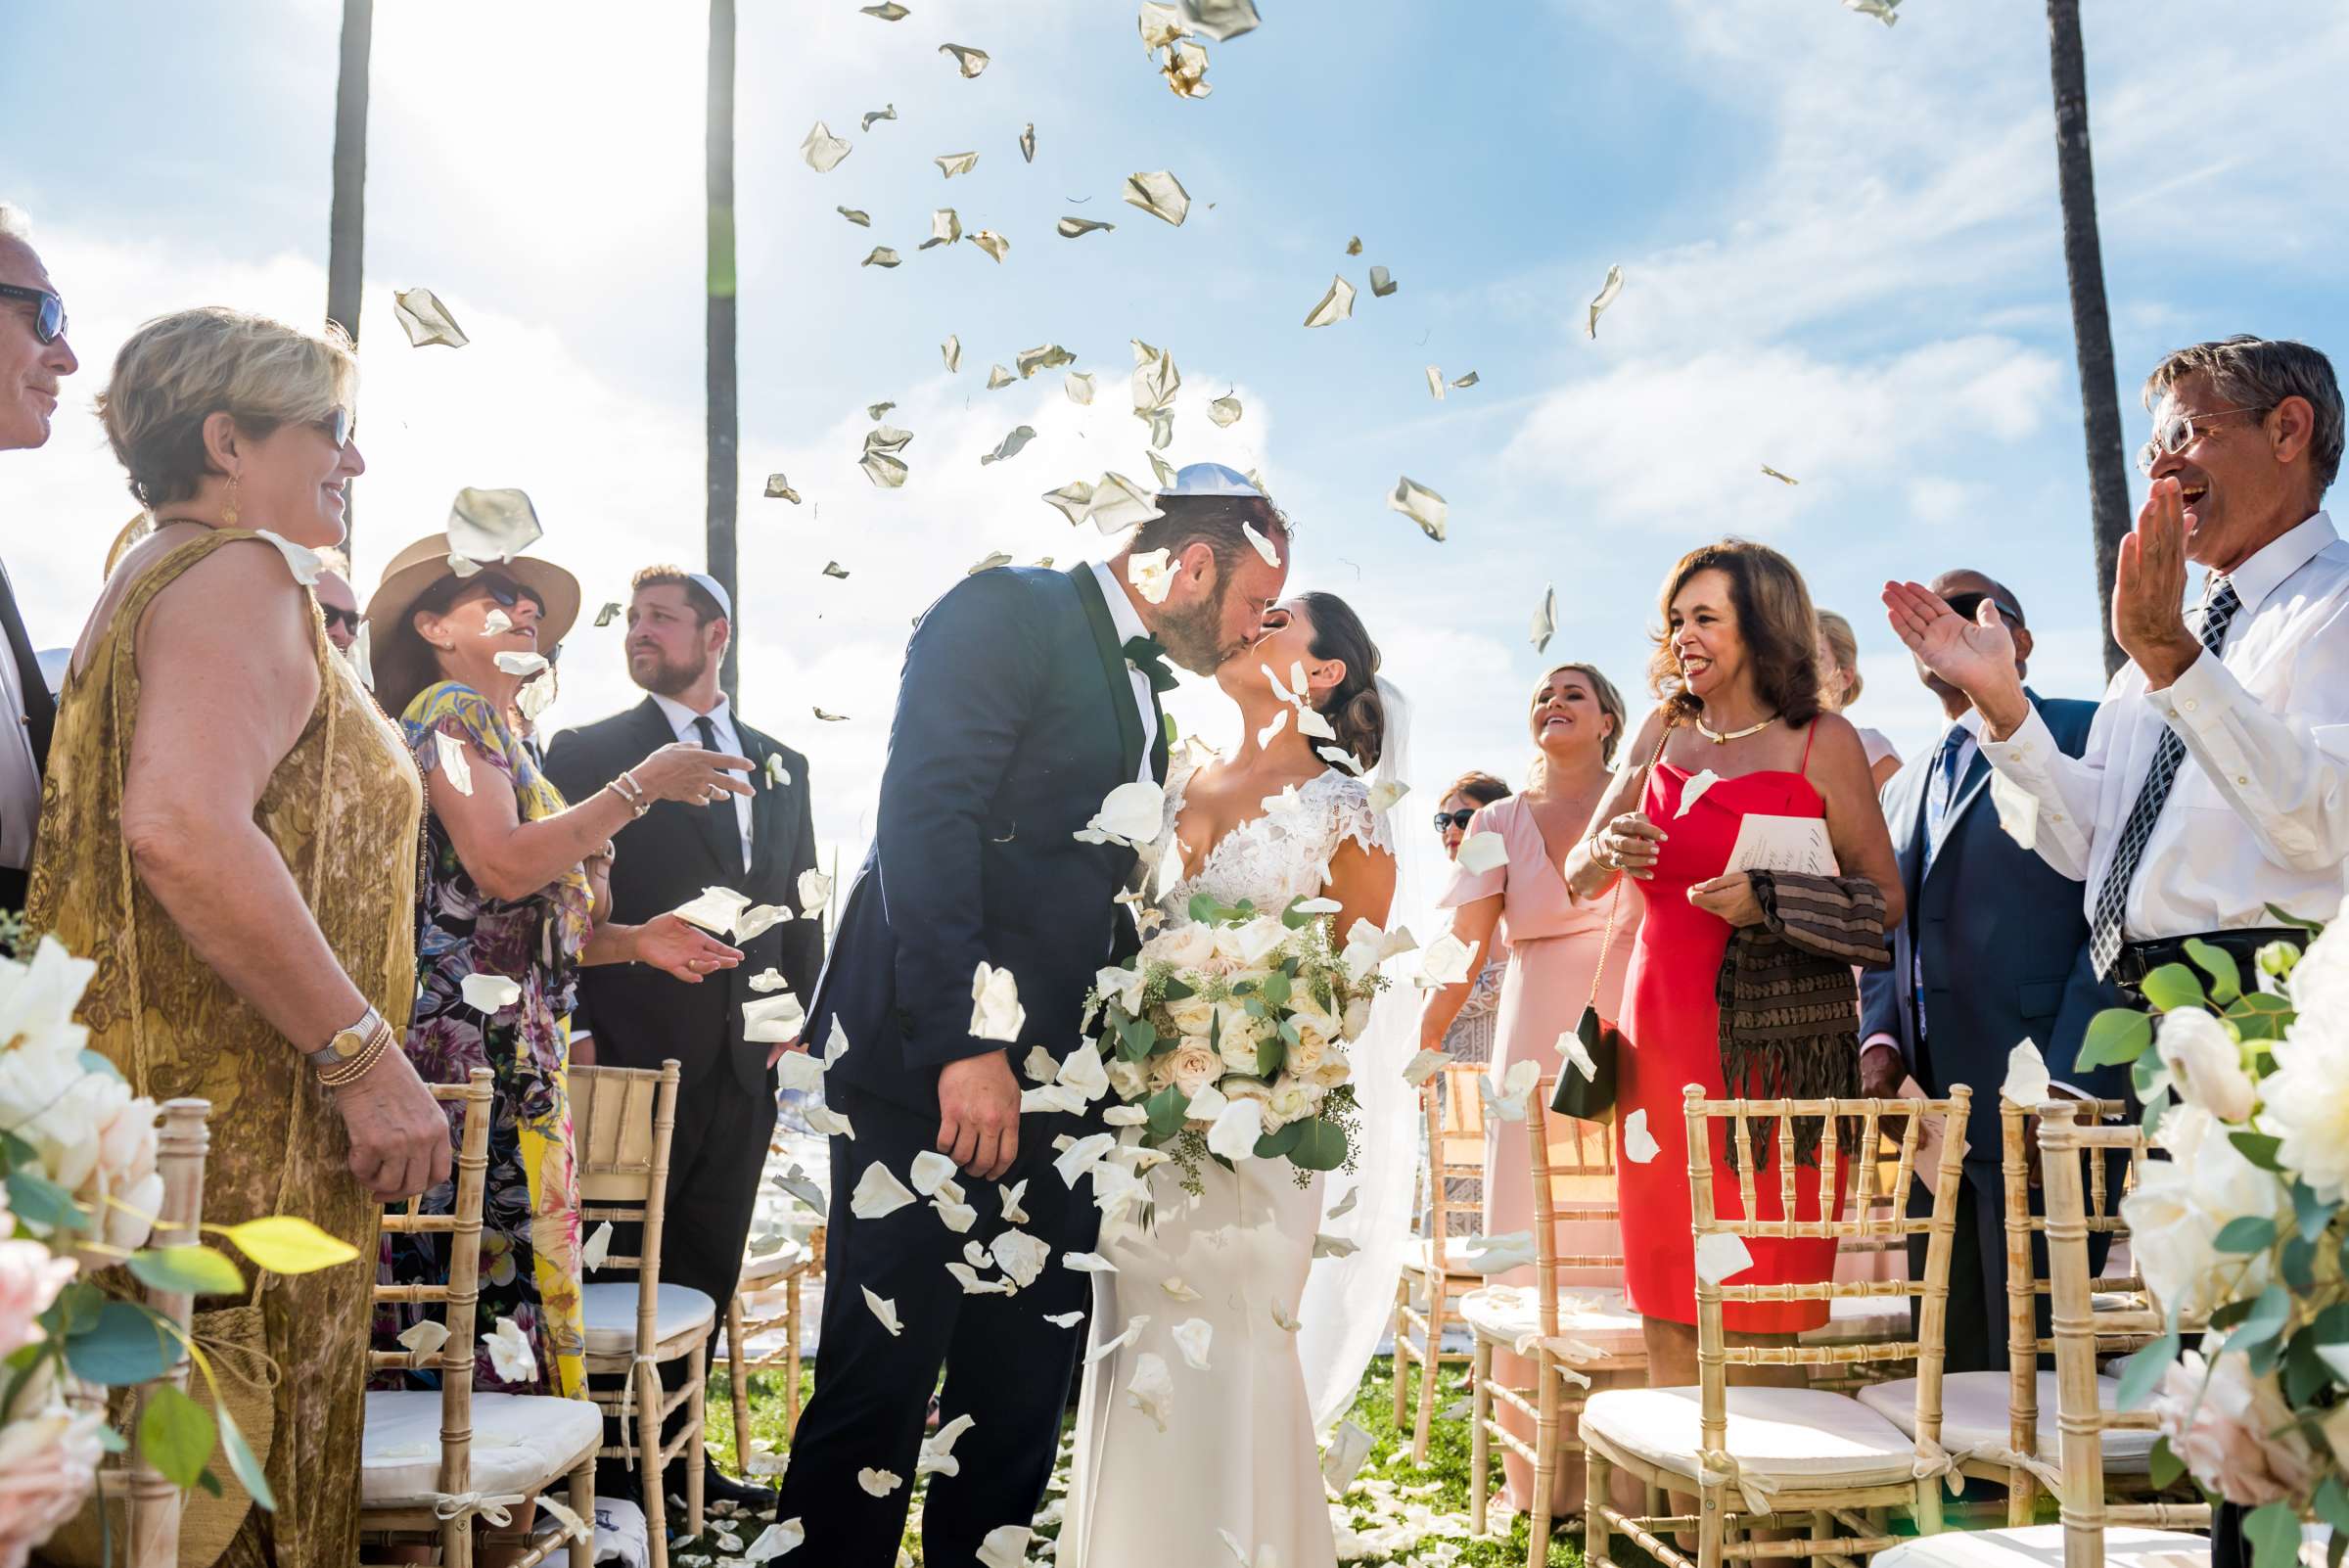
(1235, 1466)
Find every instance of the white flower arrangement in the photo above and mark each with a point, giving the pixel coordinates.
(1229, 1033)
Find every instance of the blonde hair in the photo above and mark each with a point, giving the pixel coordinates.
(14, 224)
(1845, 646)
(177, 371)
(1610, 703)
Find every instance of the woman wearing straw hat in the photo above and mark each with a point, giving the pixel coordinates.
(506, 911)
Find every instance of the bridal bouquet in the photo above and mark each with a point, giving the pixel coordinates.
(2245, 1081)
(1229, 1035)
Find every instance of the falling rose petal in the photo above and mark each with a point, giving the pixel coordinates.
(597, 1248)
(970, 62)
(1422, 1067)
(1130, 814)
(882, 1311)
(875, 116)
(878, 1483)
(828, 1123)
(1027, 142)
(1118, 504)
(1545, 620)
(1083, 1154)
(1311, 722)
(1722, 1254)
(768, 980)
(1336, 305)
(489, 993)
(1004, 1546)
(1221, 20)
(987, 563)
(881, 255)
(996, 1010)
(1078, 386)
(1072, 227)
(878, 1194)
(797, 1071)
(1782, 479)
(1225, 411)
(887, 11)
(836, 1044)
(1087, 1262)
(1283, 1322)
(1328, 1246)
(1466, 381)
(1434, 382)
(775, 1019)
(511, 1354)
(930, 1170)
(1236, 1128)
(1151, 1388)
(492, 525)
(1577, 1054)
(990, 242)
(778, 488)
(967, 1276)
(1072, 500)
(1382, 283)
(1504, 1097)
(1280, 721)
(715, 909)
(1446, 961)
(1195, 1336)
(1605, 297)
(1482, 852)
(760, 917)
(2026, 1077)
(1422, 505)
(1264, 545)
(1064, 1319)
(832, 569)
(1021, 1257)
(454, 764)
(1110, 1346)
(956, 1216)
(1160, 194)
(1339, 757)
(425, 320)
(1184, 67)
(1010, 1196)
(822, 150)
(1694, 789)
(1349, 1446)
(1009, 447)
(863, 221)
(1881, 9)
(945, 227)
(952, 350)
(1639, 1145)
(1160, 469)
(951, 164)
(997, 377)
(425, 1336)
(1152, 575)
(1084, 1070)
(462, 566)
(776, 1539)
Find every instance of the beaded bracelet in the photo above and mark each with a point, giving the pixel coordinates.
(630, 793)
(369, 1054)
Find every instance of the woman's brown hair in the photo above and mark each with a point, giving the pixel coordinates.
(1352, 707)
(1477, 788)
(1775, 621)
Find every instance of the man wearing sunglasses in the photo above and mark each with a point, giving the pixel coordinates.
(339, 605)
(1994, 949)
(34, 360)
(2215, 785)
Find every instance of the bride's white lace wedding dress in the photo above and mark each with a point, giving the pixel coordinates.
(1229, 1445)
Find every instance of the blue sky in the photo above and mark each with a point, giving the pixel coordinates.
(1841, 245)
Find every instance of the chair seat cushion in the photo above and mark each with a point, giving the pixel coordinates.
(1789, 1436)
(521, 1443)
(1973, 1415)
(2042, 1546)
(1861, 1320)
(1588, 1321)
(611, 1312)
(781, 1263)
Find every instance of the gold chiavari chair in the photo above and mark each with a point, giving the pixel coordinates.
(2092, 1531)
(1867, 1319)
(786, 1267)
(1771, 1458)
(432, 1463)
(1572, 1322)
(1438, 1268)
(622, 1119)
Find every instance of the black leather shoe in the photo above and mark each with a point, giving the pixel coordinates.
(718, 1486)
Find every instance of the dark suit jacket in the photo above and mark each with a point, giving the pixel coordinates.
(1014, 718)
(40, 715)
(2003, 939)
(637, 1014)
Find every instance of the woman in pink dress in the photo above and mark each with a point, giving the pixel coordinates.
(1740, 734)
(1575, 717)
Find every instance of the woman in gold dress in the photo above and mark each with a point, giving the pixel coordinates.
(229, 829)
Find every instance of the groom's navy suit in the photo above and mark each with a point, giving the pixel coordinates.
(2000, 944)
(1015, 717)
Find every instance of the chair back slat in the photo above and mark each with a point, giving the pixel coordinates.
(622, 1120)
(1576, 1228)
(1455, 1112)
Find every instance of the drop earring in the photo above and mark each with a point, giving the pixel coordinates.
(228, 509)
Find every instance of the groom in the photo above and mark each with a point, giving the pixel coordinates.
(1027, 696)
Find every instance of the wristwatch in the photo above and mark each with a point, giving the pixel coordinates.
(346, 1044)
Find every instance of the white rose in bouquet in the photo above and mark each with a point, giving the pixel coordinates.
(1245, 1089)
(2234, 1432)
(1122, 987)
(1191, 1016)
(1358, 1017)
(2305, 1100)
(1128, 1081)
(1193, 1065)
(2180, 1206)
(1251, 945)
(1334, 1069)
(1291, 1099)
(2207, 1063)
(1159, 1073)
(1184, 946)
(1310, 1050)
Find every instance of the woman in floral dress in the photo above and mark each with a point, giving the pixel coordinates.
(507, 917)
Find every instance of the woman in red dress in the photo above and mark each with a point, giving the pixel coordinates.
(1740, 734)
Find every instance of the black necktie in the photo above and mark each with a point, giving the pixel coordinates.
(1149, 656)
(726, 800)
(2219, 606)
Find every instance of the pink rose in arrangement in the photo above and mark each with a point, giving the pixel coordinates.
(48, 1463)
(31, 1277)
(2236, 1434)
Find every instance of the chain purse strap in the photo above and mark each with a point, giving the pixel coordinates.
(1615, 900)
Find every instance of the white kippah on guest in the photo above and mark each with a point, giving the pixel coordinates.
(716, 591)
(1211, 478)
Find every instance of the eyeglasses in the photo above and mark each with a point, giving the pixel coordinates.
(1970, 605)
(337, 615)
(338, 426)
(2177, 433)
(48, 312)
(1447, 820)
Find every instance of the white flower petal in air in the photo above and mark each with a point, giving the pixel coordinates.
(1607, 292)
(1722, 1254)
(511, 1354)
(1084, 1070)
(1349, 1446)
(1280, 721)
(1083, 1155)
(1173, 1286)
(1545, 620)
(1326, 1245)
(1131, 815)
(878, 1483)
(814, 888)
(715, 910)
(425, 1336)
(1152, 575)
(957, 1217)
(1021, 1256)
(1110, 1346)
(878, 1193)
(425, 320)
(1483, 851)
(1339, 757)
(836, 1044)
(463, 566)
(828, 1123)
(822, 150)
(598, 1247)
(970, 62)
(1505, 1099)
(931, 1170)
(1639, 1145)
(1336, 305)
(489, 993)
(773, 1541)
(797, 1182)
(1283, 1322)
(760, 917)
(885, 1311)
(1422, 505)
(1118, 504)
(1159, 194)
(1694, 789)
(1010, 1196)
(525, 665)
(996, 1010)
(1151, 1388)
(1236, 1128)
(1422, 1067)
(1064, 1319)
(774, 1020)
(455, 767)
(1004, 1546)
(1571, 1047)
(496, 623)
(1193, 1337)
(972, 1285)
(1446, 961)
(1087, 1262)
(2026, 1077)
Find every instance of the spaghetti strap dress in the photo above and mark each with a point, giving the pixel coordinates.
(1673, 1024)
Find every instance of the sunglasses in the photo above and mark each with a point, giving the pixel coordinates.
(1970, 605)
(48, 312)
(508, 593)
(1452, 819)
(336, 615)
(338, 426)
(2177, 433)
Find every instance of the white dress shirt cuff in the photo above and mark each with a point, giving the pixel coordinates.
(1878, 1042)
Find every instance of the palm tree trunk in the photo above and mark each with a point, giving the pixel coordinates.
(724, 410)
(2092, 323)
(346, 223)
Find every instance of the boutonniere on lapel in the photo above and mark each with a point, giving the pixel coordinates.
(777, 773)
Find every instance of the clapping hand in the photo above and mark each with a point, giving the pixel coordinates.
(2148, 584)
(1977, 657)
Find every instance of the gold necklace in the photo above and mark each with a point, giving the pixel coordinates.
(1719, 739)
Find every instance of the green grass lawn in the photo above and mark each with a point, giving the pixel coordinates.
(1389, 1489)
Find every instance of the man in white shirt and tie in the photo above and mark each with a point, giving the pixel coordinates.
(2214, 788)
(34, 358)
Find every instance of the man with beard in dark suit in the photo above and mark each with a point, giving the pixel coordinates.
(759, 845)
(34, 358)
